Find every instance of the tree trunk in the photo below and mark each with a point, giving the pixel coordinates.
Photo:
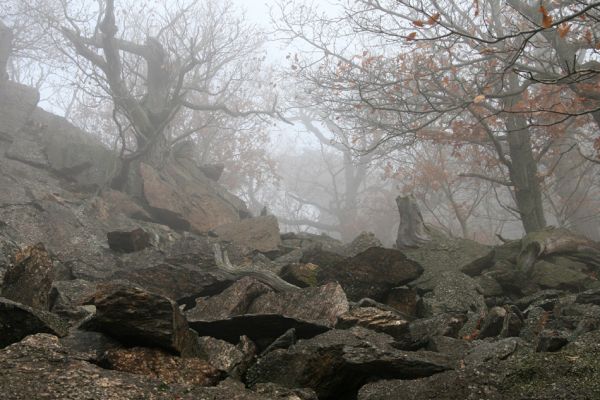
(523, 168)
(412, 231)
(5, 50)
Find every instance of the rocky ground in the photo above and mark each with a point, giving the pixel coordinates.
(180, 294)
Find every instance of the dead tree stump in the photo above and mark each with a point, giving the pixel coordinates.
(412, 231)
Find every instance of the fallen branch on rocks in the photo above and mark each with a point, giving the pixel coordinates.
(235, 273)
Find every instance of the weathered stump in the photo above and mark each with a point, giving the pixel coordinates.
(412, 231)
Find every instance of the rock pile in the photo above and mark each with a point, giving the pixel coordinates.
(176, 296)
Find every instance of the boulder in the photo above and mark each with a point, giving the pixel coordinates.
(552, 276)
(162, 366)
(551, 340)
(374, 319)
(259, 233)
(180, 282)
(232, 359)
(251, 308)
(422, 330)
(183, 202)
(235, 300)
(372, 273)
(18, 320)
(17, 102)
(364, 241)
(453, 292)
(29, 278)
(337, 362)
(128, 241)
(67, 298)
(88, 346)
(319, 305)
(299, 274)
(138, 317)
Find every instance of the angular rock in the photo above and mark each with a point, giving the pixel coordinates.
(552, 276)
(364, 241)
(29, 278)
(67, 298)
(259, 233)
(403, 299)
(374, 319)
(335, 363)
(212, 171)
(183, 203)
(251, 308)
(299, 274)
(551, 340)
(180, 282)
(235, 300)
(319, 305)
(18, 320)
(453, 292)
(421, 330)
(128, 242)
(88, 346)
(493, 322)
(162, 366)
(482, 352)
(137, 317)
(232, 359)
(372, 273)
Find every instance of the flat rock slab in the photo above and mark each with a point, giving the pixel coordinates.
(18, 321)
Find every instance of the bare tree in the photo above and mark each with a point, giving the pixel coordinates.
(456, 73)
(192, 55)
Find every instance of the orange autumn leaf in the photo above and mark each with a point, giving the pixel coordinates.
(563, 30)
(598, 46)
(433, 19)
(479, 99)
(411, 36)
(546, 18)
(418, 23)
(588, 36)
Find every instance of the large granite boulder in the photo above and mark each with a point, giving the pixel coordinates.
(17, 102)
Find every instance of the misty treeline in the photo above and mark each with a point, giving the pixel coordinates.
(486, 111)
